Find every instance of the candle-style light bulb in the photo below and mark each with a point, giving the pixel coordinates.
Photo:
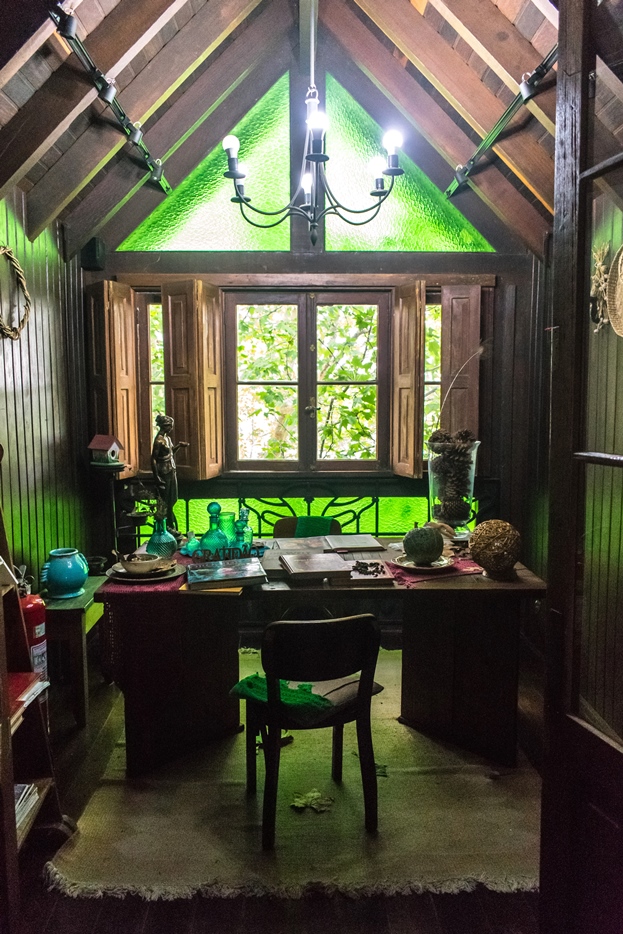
(392, 141)
(231, 145)
(306, 185)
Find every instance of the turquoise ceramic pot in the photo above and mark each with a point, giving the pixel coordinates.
(64, 573)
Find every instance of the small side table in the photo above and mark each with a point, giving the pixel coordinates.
(69, 621)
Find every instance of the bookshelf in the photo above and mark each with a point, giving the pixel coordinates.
(26, 769)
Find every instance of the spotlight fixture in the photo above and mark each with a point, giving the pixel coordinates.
(67, 26)
(317, 199)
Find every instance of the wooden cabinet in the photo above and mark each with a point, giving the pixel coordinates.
(25, 756)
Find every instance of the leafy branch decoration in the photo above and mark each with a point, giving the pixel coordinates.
(599, 287)
(5, 329)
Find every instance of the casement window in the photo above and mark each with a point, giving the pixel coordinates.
(292, 382)
(307, 381)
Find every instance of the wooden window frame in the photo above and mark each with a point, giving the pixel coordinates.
(308, 300)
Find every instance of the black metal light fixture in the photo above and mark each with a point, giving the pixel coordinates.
(313, 198)
(529, 87)
(67, 27)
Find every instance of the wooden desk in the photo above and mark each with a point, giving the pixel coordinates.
(175, 657)
(70, 621)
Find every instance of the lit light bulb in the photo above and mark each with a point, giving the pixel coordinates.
(392, 141)
(318, 121)
(306, 184)
(231, 145)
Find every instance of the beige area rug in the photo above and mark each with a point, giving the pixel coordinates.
(448, 820)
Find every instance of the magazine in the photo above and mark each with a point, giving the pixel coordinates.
(233, 572)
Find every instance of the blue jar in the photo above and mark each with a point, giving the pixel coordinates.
(64, 574)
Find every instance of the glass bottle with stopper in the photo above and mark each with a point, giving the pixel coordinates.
(248, 531)
(213, 541)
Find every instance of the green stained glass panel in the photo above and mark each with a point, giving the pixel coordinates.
(416, 217)
(199, 215)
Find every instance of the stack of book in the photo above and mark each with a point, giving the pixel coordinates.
(318, 566)
(234, 572)
(26, 798)
(24, 686)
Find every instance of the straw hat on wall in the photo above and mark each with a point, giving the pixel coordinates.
(615, 293)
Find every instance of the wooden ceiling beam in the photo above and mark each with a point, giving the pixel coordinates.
(50, 111)
(25, 51)
(219, 89)
(416, 147)
(229, 112)
(167, 70)
(502, 47)
(421, 111)
(461, 86)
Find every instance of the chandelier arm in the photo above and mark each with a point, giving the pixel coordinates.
(290, 211)
(288, 208)
(347, 220)
(336, 204)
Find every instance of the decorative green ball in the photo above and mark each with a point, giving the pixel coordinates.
(423, 545)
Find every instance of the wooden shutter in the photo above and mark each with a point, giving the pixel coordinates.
(111, 361)
(408, 369)
(460, 339)
(192, 364)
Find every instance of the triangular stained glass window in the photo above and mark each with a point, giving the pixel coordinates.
(417, 216)
(198, 215)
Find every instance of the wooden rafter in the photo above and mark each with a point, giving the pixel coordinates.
(502, 47)
(172, 65)
(223, 93)
(50, 111)
(410, 98)
(461, 86)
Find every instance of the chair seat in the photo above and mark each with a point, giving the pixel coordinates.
(305, 710)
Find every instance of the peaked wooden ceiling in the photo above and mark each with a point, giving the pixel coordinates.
(188, 70)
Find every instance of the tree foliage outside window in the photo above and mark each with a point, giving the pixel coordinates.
(432, 369)
(268, 394)
(156, 361)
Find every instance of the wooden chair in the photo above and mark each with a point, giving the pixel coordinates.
(286, 527)
(316, 651)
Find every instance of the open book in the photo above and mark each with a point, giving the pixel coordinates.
(355, 542)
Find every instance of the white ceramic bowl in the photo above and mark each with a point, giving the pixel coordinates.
(143, 563)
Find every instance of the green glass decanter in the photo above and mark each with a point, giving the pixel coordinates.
(213, 541)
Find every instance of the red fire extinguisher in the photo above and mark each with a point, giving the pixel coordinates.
(33, 609)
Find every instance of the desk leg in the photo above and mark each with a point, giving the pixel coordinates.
(69, 626)
(460, 669)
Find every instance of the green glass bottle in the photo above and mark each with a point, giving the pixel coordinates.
(213, 541)
(161, 542)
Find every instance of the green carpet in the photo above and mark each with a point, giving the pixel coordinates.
(448, 820)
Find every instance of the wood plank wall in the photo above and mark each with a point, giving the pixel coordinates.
(602, 626)
(44, 476)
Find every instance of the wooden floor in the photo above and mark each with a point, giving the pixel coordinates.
(80, 757)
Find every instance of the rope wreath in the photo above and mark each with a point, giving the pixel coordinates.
(5, 329)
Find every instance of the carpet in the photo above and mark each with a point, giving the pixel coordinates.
(448, 820)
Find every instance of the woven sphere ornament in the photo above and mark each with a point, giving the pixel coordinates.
(495, 546)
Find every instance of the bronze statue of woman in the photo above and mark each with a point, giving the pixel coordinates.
(163, 465)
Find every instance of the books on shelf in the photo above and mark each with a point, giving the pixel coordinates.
(26, 798)
(354, 542)
(233, 572)
(316, 566)
(24, 686)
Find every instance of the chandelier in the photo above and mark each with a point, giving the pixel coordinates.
(313, 198)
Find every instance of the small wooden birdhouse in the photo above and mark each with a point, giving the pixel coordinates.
(106, 449)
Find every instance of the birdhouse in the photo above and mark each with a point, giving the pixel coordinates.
(106, 449)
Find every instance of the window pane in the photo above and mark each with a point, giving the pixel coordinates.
(432, 343)
(346, 422)
(267, 423)
(346, 338)
(267, 342)
(156, 344)
(157, 400)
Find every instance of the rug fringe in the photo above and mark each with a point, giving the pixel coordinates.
(55, 880)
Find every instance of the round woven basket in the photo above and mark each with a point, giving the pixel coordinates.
(495, 546)
(615, 293)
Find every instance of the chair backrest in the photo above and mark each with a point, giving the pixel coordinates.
(321, 650)
(286, 527)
